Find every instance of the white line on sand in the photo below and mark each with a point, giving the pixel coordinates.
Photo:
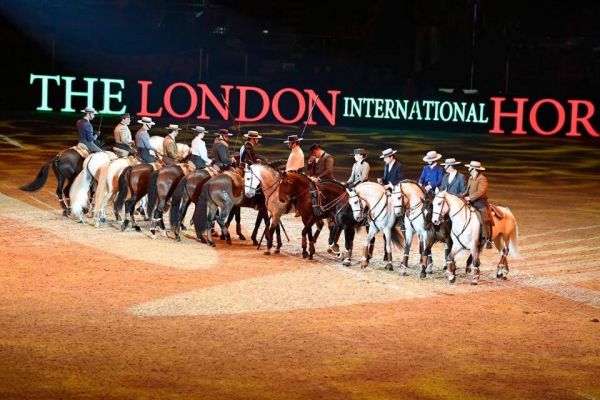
(11, 141)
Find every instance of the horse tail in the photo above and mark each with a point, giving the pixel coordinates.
(397, 237)
(513, 246)
(200, 214)
(152, 193)
(40, 179)
(123, 189)
(101, 188)
(174, 212)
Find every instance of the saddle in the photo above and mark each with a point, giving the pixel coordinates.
(187, 167)
(212, 170)
(82, 150)
(238, 182)
(496, 211)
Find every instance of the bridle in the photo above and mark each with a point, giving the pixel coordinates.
(468, 217)
(369, 214)
(260, 185)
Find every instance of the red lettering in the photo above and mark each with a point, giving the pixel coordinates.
(144, 101)
(499, 114)
(301, 106)
(242, 117)
(193, 100)
(584, 119)
(328, 114)
(533, 117)
(208, 94)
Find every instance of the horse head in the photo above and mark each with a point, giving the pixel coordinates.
(440, 207)
(251, 180)
(398, 200)
(355, 204)
(291, 184)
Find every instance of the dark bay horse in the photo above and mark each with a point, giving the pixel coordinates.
(187, 191)
(217, 197)
(66, 166)
(317, 201)
(134, 180)
(163, 183)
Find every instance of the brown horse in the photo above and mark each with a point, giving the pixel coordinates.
(134, 179)
(162, 185)
(315, 202)
(187, 191)
(217, 198)
(66, 166)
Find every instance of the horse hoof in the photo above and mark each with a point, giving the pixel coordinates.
(346, 262)
(473, 283)
(304, 254)
(137, 229)
(242, 237)
(65, 213)
(423, 275)
(202, 240)
(468, 270)
(80, 221)
(267, 253)
(222, 237)
(153, 232)
(452, 280)
(254, 242)
(102, 220)
(389, 267)
(277, 251)
(211, 243)
(499, 275)
(183, 228)
(177, 238)
(310, 256)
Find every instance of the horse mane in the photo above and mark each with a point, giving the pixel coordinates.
(324, 181)
(276, 163)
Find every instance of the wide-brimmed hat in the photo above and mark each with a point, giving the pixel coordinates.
(173, 127)
(450, 161)
(293, 139)
(432, 156)
(475, 165)
(362, 152)
(223, 132)
(252, 135)
(199, 129)
(387, 153)
(146, 120)
(89, 110)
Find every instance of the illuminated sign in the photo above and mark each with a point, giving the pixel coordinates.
(291, 106)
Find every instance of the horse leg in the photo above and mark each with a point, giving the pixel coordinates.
(259, 218)
(502, 269)
(279, 243)
(320, 225)
(60, 193)
(388, 250)
(183, 211)
(348, 244)
(311, 243)
(269, 233)
(210, 216)
(408, 242)
(368, 247)
(451, 265)
(304, 252)
(476, 251)
(238, 224)
(468, 264)
(334, 236)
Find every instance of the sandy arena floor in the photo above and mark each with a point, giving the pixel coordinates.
(94, 313)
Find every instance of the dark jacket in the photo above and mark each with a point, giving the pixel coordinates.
(249, 155)
(457, 186)
(220, 151)
(395, 175)
(322, 169)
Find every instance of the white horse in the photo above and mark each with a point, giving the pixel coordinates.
(108, 182)
(79, 193)
(267, 179)
(371, 200)
(466, 230)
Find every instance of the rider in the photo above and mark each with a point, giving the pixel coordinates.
(249, 155)
(142, 140)
(320, 164)
(476, 194)
(431, 177)
(122, 134)
(295, 161)
(452, 181)
(86, 131)
(360, 169)
(220, 149)
(393, 172)
(170, 146)
(199, 153)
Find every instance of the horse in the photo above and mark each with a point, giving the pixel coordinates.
(466, 230)
(66, 165)
(107, 186)
(220, 193)
(380, 213)
(314, 202)
(134, 179)
(161, 187)
(265, 178)
(409, 201)
(79, 193)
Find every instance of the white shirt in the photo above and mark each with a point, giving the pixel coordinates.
(451, 176)
(295, 160)
(199, 149)
(241, 151)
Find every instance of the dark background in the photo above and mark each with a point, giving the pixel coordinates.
(379, 48)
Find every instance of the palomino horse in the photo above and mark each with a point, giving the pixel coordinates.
(466, 230)
(162, 185)
(66, 166)
(108, 183)
(267, 179)
(79, 193)
(220, 194)
(371, 200)
(315, 202)
(134, 180)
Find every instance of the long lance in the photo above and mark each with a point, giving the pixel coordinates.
(284, 232)
(232, 119)
(309, 115)
(100, 126)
